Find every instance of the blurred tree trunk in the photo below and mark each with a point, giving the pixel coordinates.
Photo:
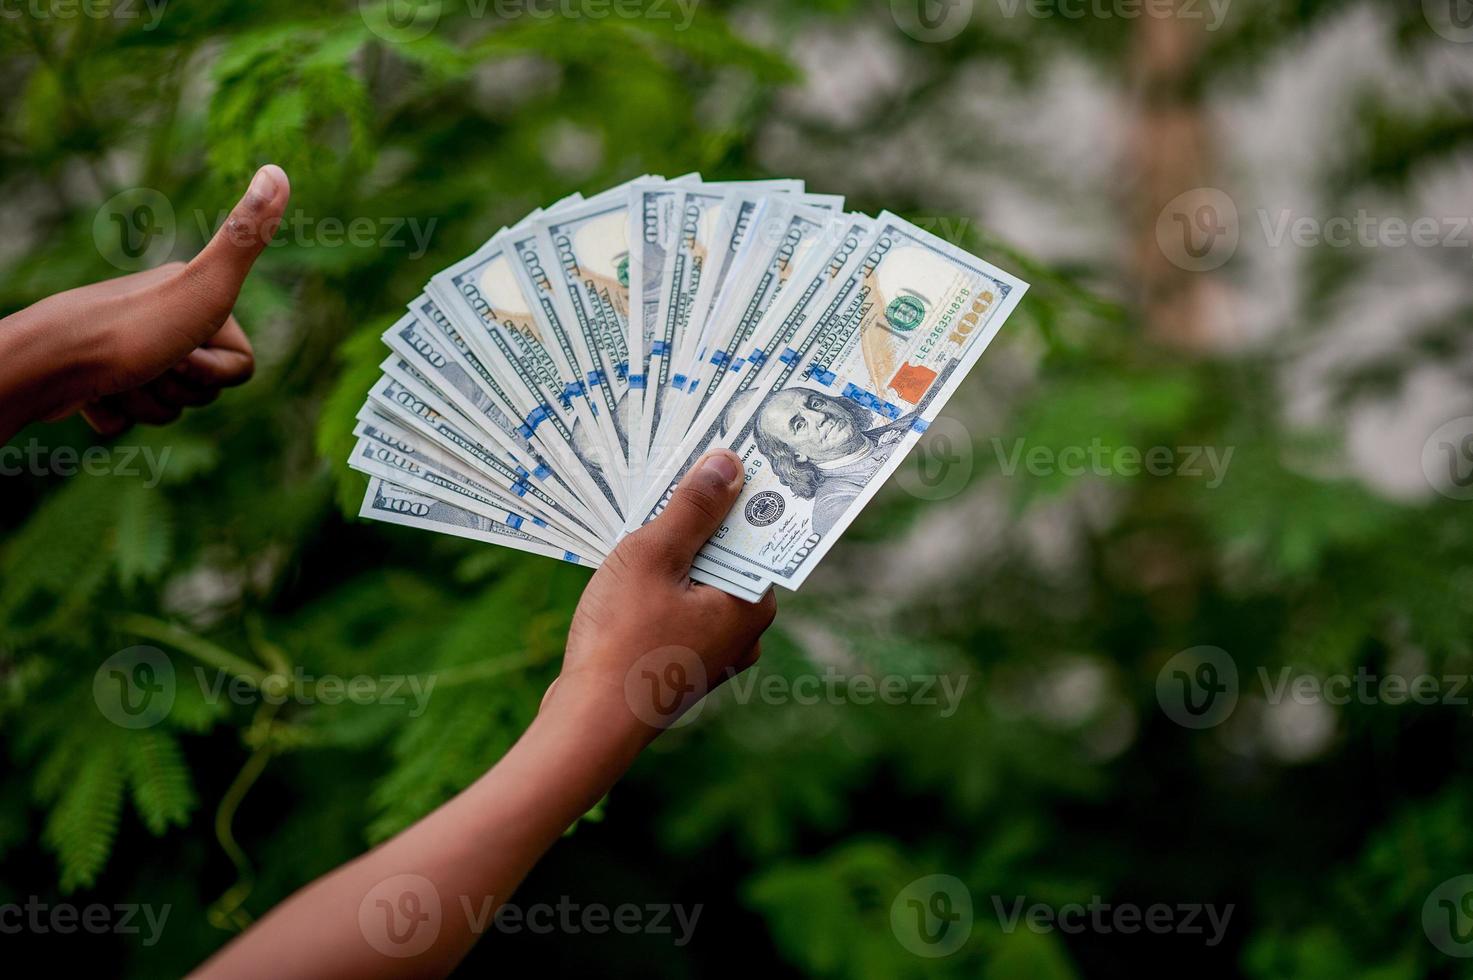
(1169, 155)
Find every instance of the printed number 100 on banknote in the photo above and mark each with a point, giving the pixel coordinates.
(843, 407)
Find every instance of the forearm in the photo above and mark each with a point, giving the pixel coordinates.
(466, 858)
(416, 905)
(45, 365)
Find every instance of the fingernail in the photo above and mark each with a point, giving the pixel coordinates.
(263, 185)
(723, 465)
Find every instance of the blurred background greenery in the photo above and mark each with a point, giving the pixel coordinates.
(1052, 138)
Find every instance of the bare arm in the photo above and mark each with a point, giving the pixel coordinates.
(415, 905)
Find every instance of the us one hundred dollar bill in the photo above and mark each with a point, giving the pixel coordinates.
(549, 391)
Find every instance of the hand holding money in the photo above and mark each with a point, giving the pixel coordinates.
(144, 347)
(550, 392)
(647, 663)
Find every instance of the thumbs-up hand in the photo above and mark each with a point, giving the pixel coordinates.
(141, 348)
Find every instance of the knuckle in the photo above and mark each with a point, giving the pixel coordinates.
(729, 609)
(208, 295)
(641, 550)
(705, 503)
(767, 609)
(743, 615)
(623, 559)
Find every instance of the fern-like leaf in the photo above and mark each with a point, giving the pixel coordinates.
(84, 821)
(144, 535)
(159, 779)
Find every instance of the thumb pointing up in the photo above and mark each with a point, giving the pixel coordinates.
(227, 259)
(200, 298)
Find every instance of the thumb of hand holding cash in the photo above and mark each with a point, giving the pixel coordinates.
(549, 392)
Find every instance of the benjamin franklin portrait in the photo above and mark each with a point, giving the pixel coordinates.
(822, 448)
(825, 448)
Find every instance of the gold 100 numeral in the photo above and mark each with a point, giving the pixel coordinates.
(973, 318)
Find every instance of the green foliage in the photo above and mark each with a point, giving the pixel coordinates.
(159, 780)
(287, 94)
(1056, 777)
(85, 801)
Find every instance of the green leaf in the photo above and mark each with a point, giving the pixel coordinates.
(159, 779)
(144, 534)
(84, 820)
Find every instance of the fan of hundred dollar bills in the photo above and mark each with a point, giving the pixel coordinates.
(549, 392)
